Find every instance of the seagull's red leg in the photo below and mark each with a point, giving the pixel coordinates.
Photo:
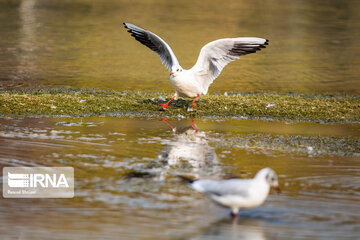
(165, 121)
(166, 105)
(193, 103)
(193, 126)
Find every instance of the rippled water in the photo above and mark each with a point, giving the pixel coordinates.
(82, 43)
(126, 184)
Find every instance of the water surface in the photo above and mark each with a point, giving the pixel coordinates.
(126, 184)
(82, 43)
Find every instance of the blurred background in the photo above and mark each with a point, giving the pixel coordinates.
(82, 43)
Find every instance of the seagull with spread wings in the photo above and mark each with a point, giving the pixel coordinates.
(213, 57)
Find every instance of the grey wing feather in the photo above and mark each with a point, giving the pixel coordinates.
(223, 188)
(155, 43)
(215, 55)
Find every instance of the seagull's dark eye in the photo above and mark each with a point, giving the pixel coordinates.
(177, 70)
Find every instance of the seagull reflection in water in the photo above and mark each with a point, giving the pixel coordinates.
(244, 229)
(189, 149)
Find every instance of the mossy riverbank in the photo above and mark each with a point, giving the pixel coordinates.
(57, 102)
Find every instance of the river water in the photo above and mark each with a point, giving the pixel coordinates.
(82, 43)
(126, 185)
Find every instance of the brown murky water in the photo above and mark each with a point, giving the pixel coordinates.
(82, 43)
(126, 185)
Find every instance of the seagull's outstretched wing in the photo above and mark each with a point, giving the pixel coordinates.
(155, 43)
(215, 55)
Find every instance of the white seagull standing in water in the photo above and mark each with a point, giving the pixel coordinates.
(213, 57)
(238, 193)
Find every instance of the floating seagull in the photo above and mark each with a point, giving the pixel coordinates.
(238, 193)
(213, 57)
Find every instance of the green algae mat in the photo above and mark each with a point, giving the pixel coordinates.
(78, 102)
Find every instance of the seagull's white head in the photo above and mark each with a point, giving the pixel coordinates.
(270, 177)
(176, 70)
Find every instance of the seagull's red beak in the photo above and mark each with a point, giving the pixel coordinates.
(277, 189)
(171, 73)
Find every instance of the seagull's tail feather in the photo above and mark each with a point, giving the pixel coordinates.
(186, 179)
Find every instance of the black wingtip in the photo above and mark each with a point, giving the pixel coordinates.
(186, 179)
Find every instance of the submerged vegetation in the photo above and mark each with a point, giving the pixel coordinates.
(309, 145)
(76, 102)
